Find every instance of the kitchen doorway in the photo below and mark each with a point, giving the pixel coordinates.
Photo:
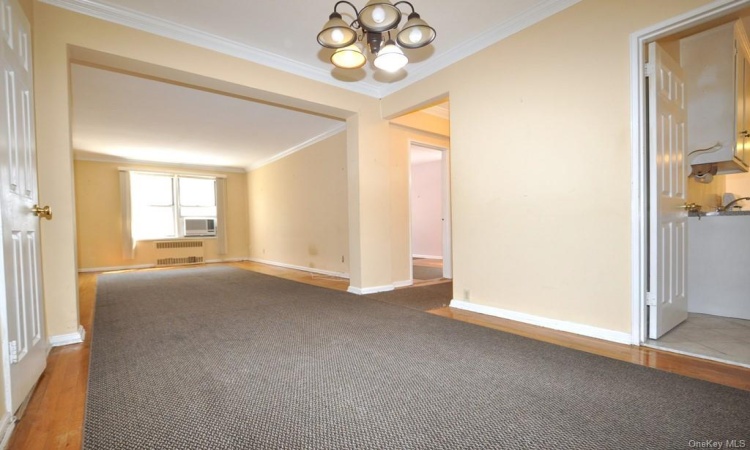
(718, 337)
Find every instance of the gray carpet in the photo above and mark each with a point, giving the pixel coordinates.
(221, 358)
(423, 298)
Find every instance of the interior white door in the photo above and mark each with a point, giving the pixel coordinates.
(440, 218)
(667, 296)
(447, 221)
(23, 324)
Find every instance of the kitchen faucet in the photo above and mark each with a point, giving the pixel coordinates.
(729, 205)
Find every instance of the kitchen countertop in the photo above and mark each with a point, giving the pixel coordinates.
(718, 213)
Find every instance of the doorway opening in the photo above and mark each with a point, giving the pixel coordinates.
(677, 305)
(429, 213)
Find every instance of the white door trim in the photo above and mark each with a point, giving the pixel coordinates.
(447, 210)
(639, 160)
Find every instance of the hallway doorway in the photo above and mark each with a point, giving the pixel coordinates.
(429, 206)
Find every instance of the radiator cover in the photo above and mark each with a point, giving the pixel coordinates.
(178, 252)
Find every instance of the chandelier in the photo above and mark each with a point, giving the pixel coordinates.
(373, 25)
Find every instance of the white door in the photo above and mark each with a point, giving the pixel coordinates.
(430, 227)
(447, 224)
(667, 296)
(23, 324)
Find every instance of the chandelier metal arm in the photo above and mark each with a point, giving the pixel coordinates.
(355, 23)
(405, 2)
(356, 11)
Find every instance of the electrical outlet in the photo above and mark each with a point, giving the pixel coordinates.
(342, 258)
(467, 294)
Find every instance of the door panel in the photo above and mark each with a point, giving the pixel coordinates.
(667, 193)
(22, 309)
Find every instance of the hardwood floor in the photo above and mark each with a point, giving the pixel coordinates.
(54, 416)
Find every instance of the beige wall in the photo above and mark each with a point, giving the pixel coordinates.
(298, 208)
(99, 217)
(67, 35)
(707, 195)
(739, 185)
(423, 121)
(28, 9)
(540, 150)
(283, 201)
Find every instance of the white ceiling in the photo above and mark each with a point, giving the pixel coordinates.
(134, 118)
(148, 120)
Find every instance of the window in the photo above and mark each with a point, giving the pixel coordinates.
(160, 203)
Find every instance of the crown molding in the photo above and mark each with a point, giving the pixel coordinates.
(189, 35)
(332, 132)
(84, 155)
(482, 41)
(182, 33)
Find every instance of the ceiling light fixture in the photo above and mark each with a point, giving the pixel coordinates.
(373, 25)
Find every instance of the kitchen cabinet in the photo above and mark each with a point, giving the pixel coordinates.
(716, 64)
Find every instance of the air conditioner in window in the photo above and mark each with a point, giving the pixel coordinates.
(200, 227)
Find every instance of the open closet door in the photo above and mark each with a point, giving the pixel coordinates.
(22, 313)
(667, 296)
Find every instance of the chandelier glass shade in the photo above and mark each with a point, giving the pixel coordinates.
(379, 16)
(373, 25)
(349, 57)
(415, 33)
(390, 58)
(336, 33)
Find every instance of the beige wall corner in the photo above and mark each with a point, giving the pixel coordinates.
(298, 209)
(369, 181)
(55, 174)
(28, 9)
(540, 160)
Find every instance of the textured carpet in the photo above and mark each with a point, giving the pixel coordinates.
(221, 358)
(427, 273)
(423, 298)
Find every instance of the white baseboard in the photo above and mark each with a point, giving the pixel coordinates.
(370, 290)
(67, 339)
(398, 284)
(110, 269)
(225, 260)
(7, 424)
(150, 266)
(427, 256)
(302, 268)
(560, 325)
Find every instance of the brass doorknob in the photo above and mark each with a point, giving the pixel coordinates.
(42, 212)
